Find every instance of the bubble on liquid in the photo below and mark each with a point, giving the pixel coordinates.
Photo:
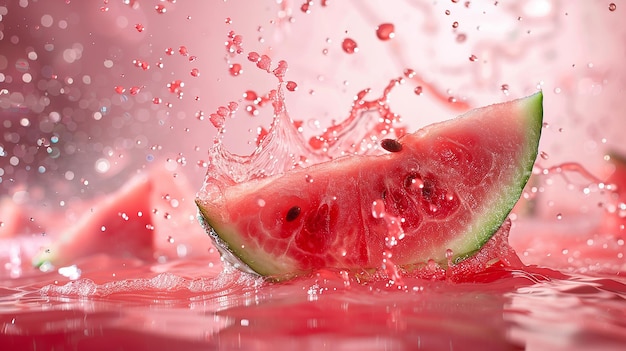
(385, 31)
(349, 46)
(612, 7)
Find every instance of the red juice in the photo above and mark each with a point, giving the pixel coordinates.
(108, 129)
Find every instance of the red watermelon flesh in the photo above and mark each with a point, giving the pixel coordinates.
(119, 225)
(452, 184)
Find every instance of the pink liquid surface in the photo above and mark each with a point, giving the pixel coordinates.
(108, 109)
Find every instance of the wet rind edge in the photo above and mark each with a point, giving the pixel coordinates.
(532, 109)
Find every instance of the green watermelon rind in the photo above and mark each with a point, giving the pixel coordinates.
(233, 249)
(485, 228)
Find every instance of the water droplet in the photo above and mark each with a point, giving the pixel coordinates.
(559, 216)
(385, 31)
(170, 239)
(378, 209)
(280, 70)
(175, 86)
(254, 57)
(160, 9)
(120, 89)
(449, 257)
(409, 73)
(349, 46)
(195, 72)
(235, 69)
(455, 24)
(505, 89)
(544, 155)
(612, 7)
(292, 86)
(473, 58)
(308, 178)
(418, 90)
(140, 28)
(461, 37)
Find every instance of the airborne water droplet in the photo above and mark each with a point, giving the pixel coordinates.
(235, 69)
(291, 86)
(160, 9)
(612, 7)
(385, 31)
(349, 46)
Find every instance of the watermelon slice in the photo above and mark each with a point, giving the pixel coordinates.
(452, 185)
(119, 225)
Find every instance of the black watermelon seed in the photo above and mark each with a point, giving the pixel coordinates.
(293, 213)
(391, 145)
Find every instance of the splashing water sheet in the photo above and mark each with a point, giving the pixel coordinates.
(113, 114)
